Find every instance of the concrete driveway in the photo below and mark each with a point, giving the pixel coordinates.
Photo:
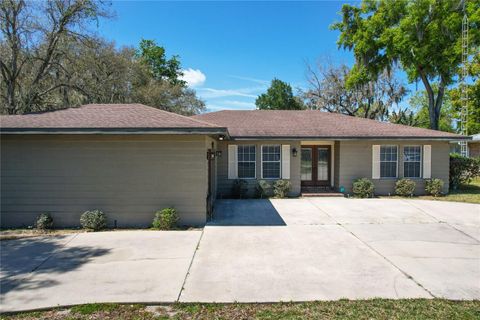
(258, 251)
(119, 266)
(331, 248)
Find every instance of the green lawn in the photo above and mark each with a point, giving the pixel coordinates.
(465, 193)
(343, 309)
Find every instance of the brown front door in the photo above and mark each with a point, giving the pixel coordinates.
(315, 166)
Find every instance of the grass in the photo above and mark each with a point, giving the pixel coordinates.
(465, 193)
(343, 309)
(9, 234)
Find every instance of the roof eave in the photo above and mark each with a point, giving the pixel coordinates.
(120, 131)
(459, 138)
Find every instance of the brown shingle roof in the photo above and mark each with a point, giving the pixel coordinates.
(312, 123)
(103, 116)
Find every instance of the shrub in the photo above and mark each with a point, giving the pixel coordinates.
(263, 189)
(281, 188)
(363, 188)
(165, 219)
(44, 221)
(405, 187)
(239, 188)
(434, 187)
(463, 169)
(93, 220)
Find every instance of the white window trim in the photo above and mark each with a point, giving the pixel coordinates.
(254, 162)
(279, 161)
(420, 162)
(396, 161)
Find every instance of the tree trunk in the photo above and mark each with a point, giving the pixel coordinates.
(434, 104)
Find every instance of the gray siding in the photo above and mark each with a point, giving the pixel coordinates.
(128, 177)
(356, 162)
(224, 187)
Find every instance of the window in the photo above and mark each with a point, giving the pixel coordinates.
(271, 162)
(388, 161)
(411, 161)
(246, 161)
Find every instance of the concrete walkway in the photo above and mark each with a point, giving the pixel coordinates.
(258, 251)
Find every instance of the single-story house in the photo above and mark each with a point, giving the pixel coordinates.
(131, 160)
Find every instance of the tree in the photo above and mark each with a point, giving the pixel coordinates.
(32, 35)
(279, 97)
(423, 36)
(328, 91)
(153, 56)
(417, 114)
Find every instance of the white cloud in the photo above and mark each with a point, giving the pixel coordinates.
(264, 82)
(230, 105)
(193, 77)
(209, 93)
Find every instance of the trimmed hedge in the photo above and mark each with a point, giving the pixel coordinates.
(44, 221)
(363, 188)
(165, 219)
(93, 220)
(405, 187)
(281, 188)
(434, 187)
(463, 169)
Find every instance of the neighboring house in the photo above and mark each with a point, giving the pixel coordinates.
(132, 160)
(474, 146)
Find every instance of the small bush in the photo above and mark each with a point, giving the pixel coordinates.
(405, 187)
(263, 189)
(165, 219)
(93, 220)
(463, 169)
(281, 188)
(363, 188)
(434, 187)
(44, 221)
(239, 188)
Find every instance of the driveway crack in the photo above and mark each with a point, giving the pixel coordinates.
(190, 265)
(53, 253)
(439, 221)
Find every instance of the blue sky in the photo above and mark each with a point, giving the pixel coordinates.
(232, 50)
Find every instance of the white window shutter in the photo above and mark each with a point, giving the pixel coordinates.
(376, 161)
(427, 161)
(285, 161)
(232, 161)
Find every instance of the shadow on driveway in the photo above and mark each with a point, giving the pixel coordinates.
(251, 212)
(21, 257)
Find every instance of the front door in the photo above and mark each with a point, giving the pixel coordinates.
(315, 166)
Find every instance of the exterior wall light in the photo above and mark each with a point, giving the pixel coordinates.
(294, 152)
(218, 153)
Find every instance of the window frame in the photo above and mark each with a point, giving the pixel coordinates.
(420, 162)
(381, 161)
(269, 161)
(250, 161)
